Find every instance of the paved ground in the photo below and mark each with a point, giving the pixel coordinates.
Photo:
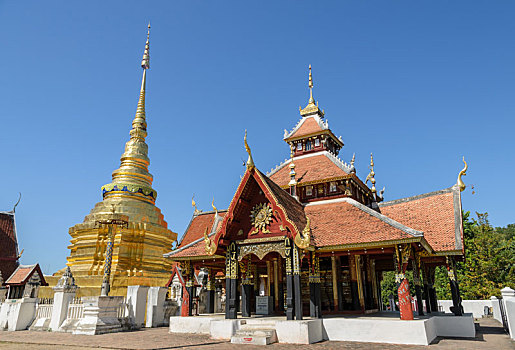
(489, 336)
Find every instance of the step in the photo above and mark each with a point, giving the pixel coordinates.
(256, 336)
(258, 326)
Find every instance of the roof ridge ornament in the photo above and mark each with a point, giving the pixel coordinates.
(194, 205)
(463, 172)
(303, 242)
(210, 246)
(250, 161)
(371, 175)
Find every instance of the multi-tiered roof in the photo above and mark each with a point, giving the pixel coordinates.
(316, 197)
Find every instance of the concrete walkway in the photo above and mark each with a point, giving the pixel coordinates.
(489, 336)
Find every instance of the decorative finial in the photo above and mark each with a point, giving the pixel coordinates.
(353, 159)
(372, 174)
(250, 161)
(145, 62)
(311, 99)
(210, 246)
(194, 205)
(302, 241)
(18, 202)
(213, 206)
(463, 172)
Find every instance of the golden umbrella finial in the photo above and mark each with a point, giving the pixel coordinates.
(371, 175)
(311, 99)
(145, 62)
(250, 161)
(463, 172)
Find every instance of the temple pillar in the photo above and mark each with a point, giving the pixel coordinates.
(423, 272)
(187, 300)
(334, 271)
(246, 288)
(233, 301)
(315, 302)
(210, 292)
(280, 296)
(418, 285)
(296, 283)
(359, 274)
(457, 308)
(376, 291)
(290, 296)
(401, 259)
(369, 302)
(433, 300)
(227, 281)
(276, 285)
(354, 283)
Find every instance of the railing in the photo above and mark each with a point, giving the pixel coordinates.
(45, 301)
(44, 311)
(75, 310)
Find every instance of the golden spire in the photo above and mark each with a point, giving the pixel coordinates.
(132, 177)
(311, 99)
(250, 161)
(463, 172)
(312, 106)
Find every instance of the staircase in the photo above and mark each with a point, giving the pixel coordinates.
(255, 332)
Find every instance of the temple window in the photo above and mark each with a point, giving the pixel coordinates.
(309, 190)
(317, 142)
(309, 145)
(299, 146)
(332, 186)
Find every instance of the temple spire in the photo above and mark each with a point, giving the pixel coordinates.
(311, 99)
(132, 176)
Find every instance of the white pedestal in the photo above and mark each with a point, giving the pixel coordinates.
(155, 307)
(100, 316)
(17, 314)
(137, 303)
(60, 309)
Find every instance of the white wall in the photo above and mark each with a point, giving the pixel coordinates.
(474, 307)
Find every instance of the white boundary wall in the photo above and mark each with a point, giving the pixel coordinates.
(474, 307)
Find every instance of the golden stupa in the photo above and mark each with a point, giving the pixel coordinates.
(138, 249)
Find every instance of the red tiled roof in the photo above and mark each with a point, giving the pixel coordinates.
(198, 226)
(309, 126)
(196, 249)
(346, 221)
(23, 273)
(313, 168)
(8, 253)
(433, 213)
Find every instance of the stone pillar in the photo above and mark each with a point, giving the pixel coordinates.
(280, 289)
(64, 292)
(155, 307)
(290, 295)
(354, 283)
(233, 300)
(401, 260)
(334, 270)
(315, 304)
(210, 292)
(418, 285)
(456, 308)
(296, 283)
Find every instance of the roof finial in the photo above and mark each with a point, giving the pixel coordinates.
(213, 206)
(250, 161)
(463, 172)
(311, 99)
(18, 202)
(372, 174)
(194, 205)
(352, 168)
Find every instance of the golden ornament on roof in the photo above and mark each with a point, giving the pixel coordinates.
(463, 172)
(260, 217)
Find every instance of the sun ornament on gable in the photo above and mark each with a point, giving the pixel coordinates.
(260, 217)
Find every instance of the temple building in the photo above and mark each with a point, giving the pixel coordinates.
(138, 247)
(313, 238)
(9, 255)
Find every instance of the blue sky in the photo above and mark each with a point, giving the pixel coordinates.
(418, 83)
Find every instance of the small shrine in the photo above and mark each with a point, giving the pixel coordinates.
(312, 238)
(25, 282)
